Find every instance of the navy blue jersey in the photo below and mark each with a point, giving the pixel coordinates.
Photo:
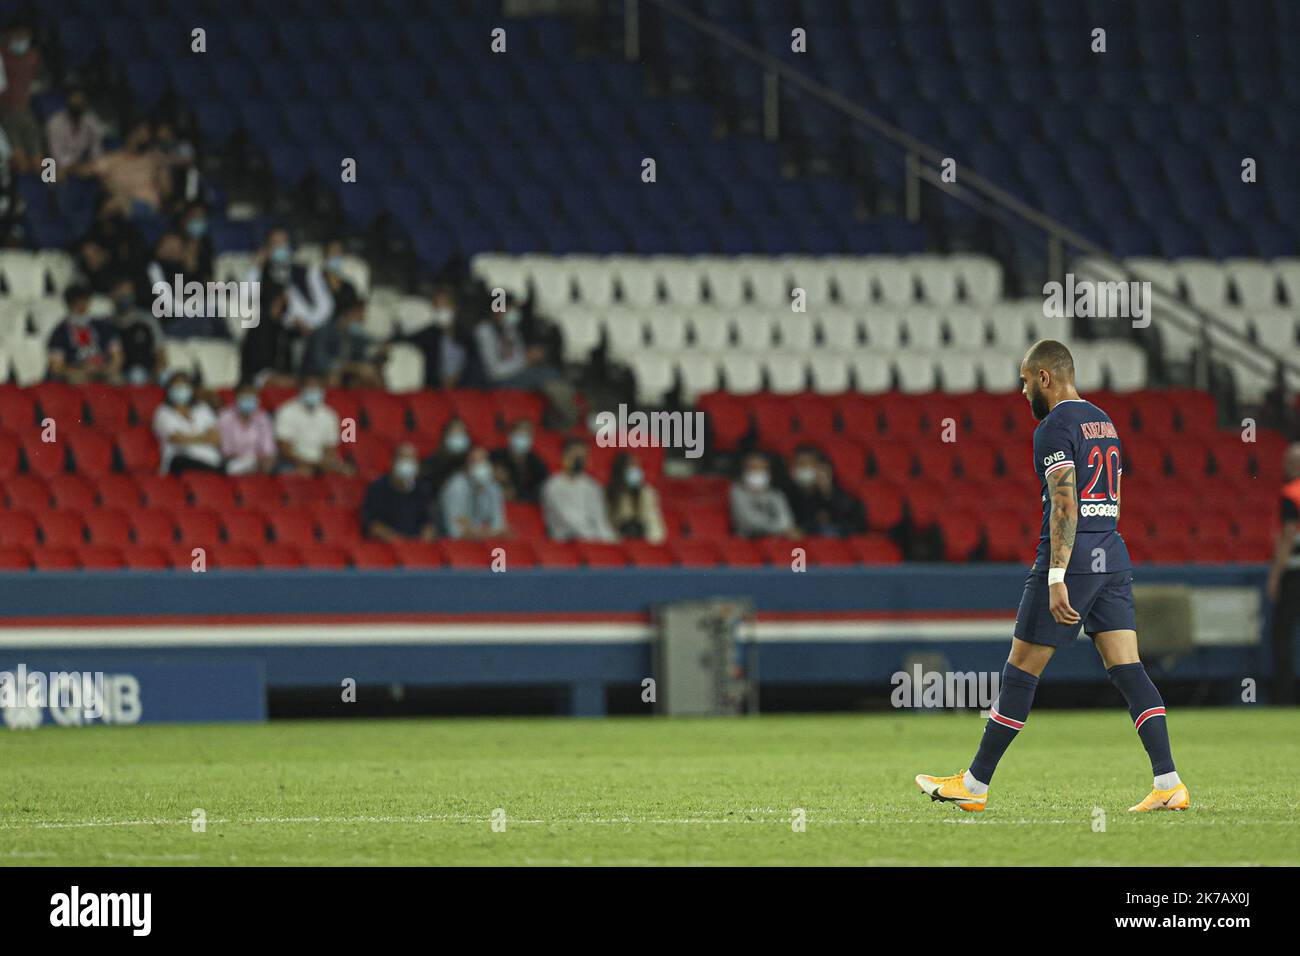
(1078, 434)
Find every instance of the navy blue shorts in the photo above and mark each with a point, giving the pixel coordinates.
(1104, 603)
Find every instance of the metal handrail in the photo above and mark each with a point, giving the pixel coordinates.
(1263, 359)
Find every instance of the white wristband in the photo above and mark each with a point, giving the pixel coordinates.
(1056, 575)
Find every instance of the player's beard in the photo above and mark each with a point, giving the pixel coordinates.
(1038, 404)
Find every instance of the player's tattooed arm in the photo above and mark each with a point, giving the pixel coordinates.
(1064, 518)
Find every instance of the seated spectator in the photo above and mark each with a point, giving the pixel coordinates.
(174, 257)
(397, 506)
(633, 505)
(450, 456)
(519, 469)
(20, 67)
(759, 510)
(186, 429)
(247, 435)
(307, 431)
(572, 502)
(344, 354)
(471, 502)
(343, 293)
(820, 506)
(143, 356)
(114, 247)
(75, 135)
(82, 349)
(135, 177)
(509, 360)
(196, 249)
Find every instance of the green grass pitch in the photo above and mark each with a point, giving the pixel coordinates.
(636, 791)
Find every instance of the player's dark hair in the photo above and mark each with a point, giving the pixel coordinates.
(1053, 356)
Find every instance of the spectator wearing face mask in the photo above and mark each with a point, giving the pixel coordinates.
(247, 434)
(820, 506)
(759, 510)
(143, 355)
(82, 349)
(396, 505)
(572, 502)
(344, 354)
(186, 429)
(172, 269)
(75, 135)
(196, 242)
(634, 510)
(471, 502)
(20, 65)
(307, 432)
(450, 456)
(519, 469)
(114, 247)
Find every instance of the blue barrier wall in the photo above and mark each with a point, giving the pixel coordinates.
(583, 630)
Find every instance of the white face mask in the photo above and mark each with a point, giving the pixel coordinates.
(805, 475)
(633, 476)
(480, 472)
(756, 480)
(406, 469)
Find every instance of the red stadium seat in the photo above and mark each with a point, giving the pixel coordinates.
(162, 491)
(707, 521)
(986, 416)
(346, 404)
(556, 554)
(9, 459)
(46, 459)
(100, 557)
(875, 549)
(199, 527)
(513, 404)
(695, 554)
(18, 529)
(599, 555)
(292, 526)
(859, 415)
(92, 451)
(26, 491)
(372, 554)
(904, 417)
(925, 504)
(891, 459)
(17, 410)
(72, 492)
(109, 407)
(61, 402)
(418, 554)
(884, 502)
(139, 450)
(280, 556)
(525, 519)
(977, 459)
(146, 557)
(728, 419)
(303, 491)
(152, 527)
(430, 411)
(118, 491)
(848, 461)
(961, 535)
(62, 529)
(233, 556)
(740, 552)
(468, 555)
(244, 526)
(937, 461)
(384, 414)
(144, 400)
(476, 410)
(209, 490)
(645, 555)
(1231, 457)
(318, 555)
(14, 558)
(371, 454)
(258, 491)
(823, 551)
(55, 559)
(108, 526)
(345, 491)
(337, 525)
(1154, 416)
(774, 418)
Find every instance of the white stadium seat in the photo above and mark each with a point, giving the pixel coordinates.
(916, 371)
(667, 331)
(841, 331)
(754, 330)
(580, 330)
(829, 372)
(624, 333)
(404, 370)
(787, 372)
(1205, 281)
(654, 373)
(958, 371)
(1255, 283)
(796, 330)
(712, 330)
(871, 372)
(743, 372)
(698, 372)
(966, 326)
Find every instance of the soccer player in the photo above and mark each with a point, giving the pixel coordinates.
(1081, 575)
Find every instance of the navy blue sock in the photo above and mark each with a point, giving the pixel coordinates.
(1148, 712)
(1008, 715)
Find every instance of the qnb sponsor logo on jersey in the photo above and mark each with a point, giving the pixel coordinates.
(71, 698)
(75, 908)
(1098, 510)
